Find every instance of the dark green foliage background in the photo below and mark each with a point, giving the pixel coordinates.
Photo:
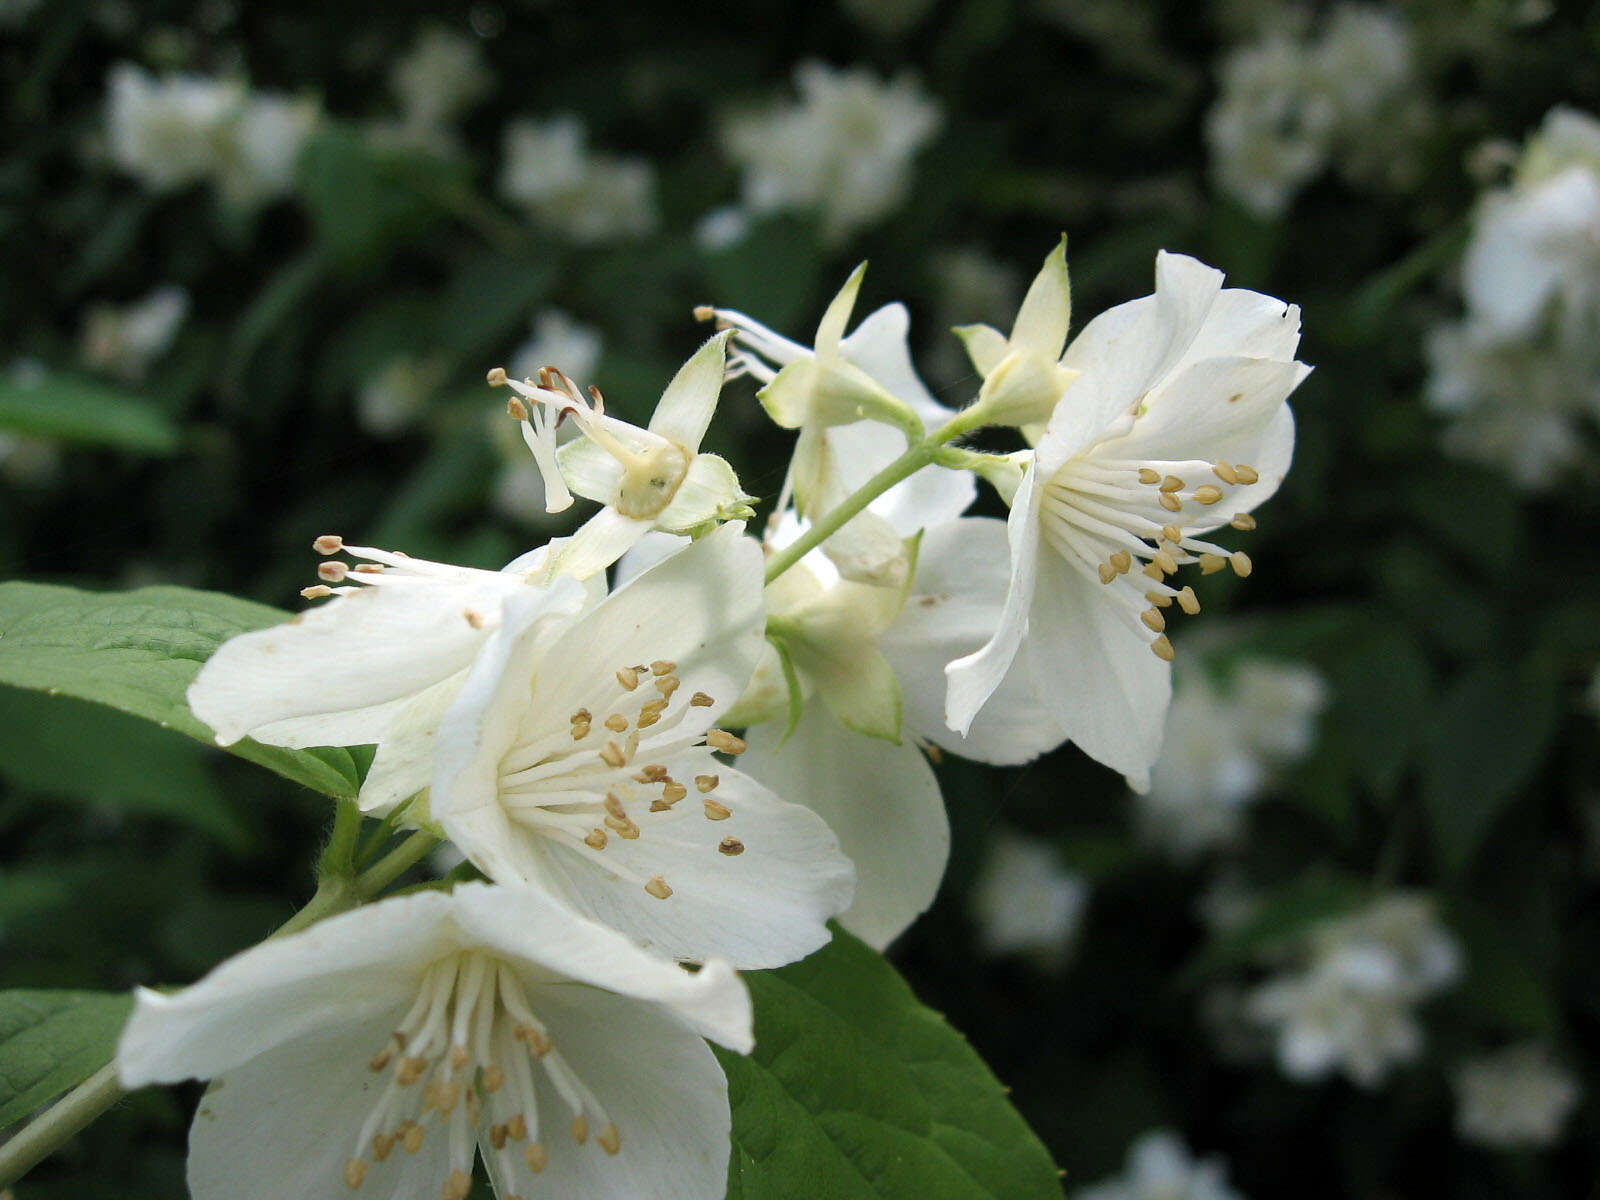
(1456, 621)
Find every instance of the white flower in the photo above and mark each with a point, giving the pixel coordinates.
(1517, 405)
(1161, 1168)
(650, 478)
(1221, 746)
(558, 341)
(1515, 1098)
(439, 78)
(185, 129)
(1539, 242)
(125, 341)
(844, 150)
(582, 761)
(380, 1052)
(589, 197)
(722, 228)
(379, 663)
(1351, 1006)
(1025, 902)
(854, 400)
(388, 403)
(1175, 426)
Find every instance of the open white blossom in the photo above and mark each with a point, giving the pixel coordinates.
(844, 150)
(438, 80)
(1222, 744)
(650, 478)
(389, 403)
(379, 663)
(382, 1051)
(550, 170)
(1160, 1167)
(125, 340)
(184, 129)
(1176, 424)
(582, 760)
(1516, 1098)
(1350, 1007)
(1026, 902)
(557, 340)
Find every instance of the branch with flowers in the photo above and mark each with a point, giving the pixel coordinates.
(686, 766)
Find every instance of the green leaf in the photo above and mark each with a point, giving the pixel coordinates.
(857, 1090)
(1503, 987)
(137, 652)
(52, 1041)
(1487, 737)
(365, 197)
(69, 747)
(79, 411)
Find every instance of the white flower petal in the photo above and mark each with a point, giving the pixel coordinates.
(1046, 311)
(600, 541)
(1107, 691)
(285, 1123)
(403, 764)
(973, 679)
(659, 1084)
(954, 607)
(879, 347)
(986, 346)
(590, 470)
(343, 665)
(830, 330)
(340, 970)
(882, 801)
(686, 407)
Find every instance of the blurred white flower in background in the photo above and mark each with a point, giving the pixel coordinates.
(550, 171)
(1350, 1005)
(1160, 1167)
(844, 150)
(1224, 739)
(1292, 103)
(389, 403)
(722, 228)
(441, 77)
(183, 129)
(123, 340)
(1517, 378)
(1515, 1098)
(1026, 902)
(558, 340)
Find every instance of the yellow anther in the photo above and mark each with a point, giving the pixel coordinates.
(380, 1060)
(1171, 503)
(410, 1070)
(1163, 649)
(652, 773)
(1159, 600)
(1122, 561)
(498, 1136)
(628, 678)
(617, 723)
(672, 793)
(1153, 620)
(1172, 533)
(328, 543)
(582, 717)
(615, 807)
(458, 1186)
(1146, 475)
(1172, 484)
(716, 810)
(595, 839)
(1154, 572)
(1163, 559)
(1241, 564)
(721, 739)
(332, 572)
(1188, 601)
(497, 376)
(382, 1144)
(668, 684)
(731, 846)
(494, 1078)
(662, 667)
(516, 409)
(700, 700)
(658, 888)
(580, 731)
(707, 783)
(355, 1172)
(1208, 493)
(609, 1139)
(537, 1156)
(459, 1057)
(411, 1139)
(1210, 564)
(1243, 521)
(613, 755)
(1225, 472)
(1107, 572)
(517, 1127)
(1246, 474)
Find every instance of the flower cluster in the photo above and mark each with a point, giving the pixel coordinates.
(576, 736)
(1160, 1167)
(1515, 377)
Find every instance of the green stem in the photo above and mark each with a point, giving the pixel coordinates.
(64, 1119)
(335, 894)
(338, 856)
(380, 835)
(396, 863)
(917, 456)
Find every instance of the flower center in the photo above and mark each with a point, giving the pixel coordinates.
(465, 1063)
(1104, 516)
(621, 774)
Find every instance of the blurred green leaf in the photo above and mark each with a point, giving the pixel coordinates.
(1503, 986)
(855, 1090)
(741, 276)
(137, 652)
(1486, 738)
(1382, 687)
(69, 747)
(491, 299)
(80, 411)
(365, 197)
(52, 1041)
